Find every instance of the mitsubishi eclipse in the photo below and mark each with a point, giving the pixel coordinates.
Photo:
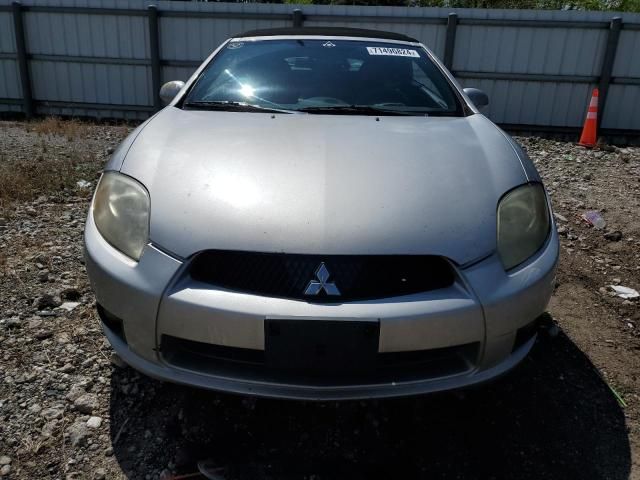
(321, 213)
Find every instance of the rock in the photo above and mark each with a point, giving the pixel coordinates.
(48, 429)
(86, 403)
(52, 413)
(67, 368)
(13, 322)
(614, 236)
(68, 306)
(63, 338)
(77, 434)
(5, 470)
(75, 392)
(4, 460)
(559, 217)
(43, 276)
(41, 258)
(34, 322)
(71, 294)
(47, 301)
(100, 474)
(94, 422)
(43, 334)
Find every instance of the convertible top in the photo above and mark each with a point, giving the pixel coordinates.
(328, 32)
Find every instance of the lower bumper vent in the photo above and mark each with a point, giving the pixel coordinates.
(254, 365)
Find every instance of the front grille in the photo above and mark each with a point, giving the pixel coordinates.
(357, 277)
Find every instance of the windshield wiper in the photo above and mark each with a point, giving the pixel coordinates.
(353, 110)
(233, 106)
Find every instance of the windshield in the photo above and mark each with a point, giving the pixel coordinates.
(323, 76)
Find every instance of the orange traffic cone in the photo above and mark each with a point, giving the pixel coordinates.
(589, 131)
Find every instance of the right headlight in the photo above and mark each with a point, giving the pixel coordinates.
(121, 213)
(523, 224)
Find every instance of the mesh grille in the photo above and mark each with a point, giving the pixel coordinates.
(357, 277)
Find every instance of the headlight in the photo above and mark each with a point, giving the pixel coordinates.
(121, 213)
(523, 224)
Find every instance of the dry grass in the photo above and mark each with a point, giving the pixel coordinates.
(26, 179)
(50, 167)
(70, 129)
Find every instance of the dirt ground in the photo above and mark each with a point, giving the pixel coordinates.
(69, 409)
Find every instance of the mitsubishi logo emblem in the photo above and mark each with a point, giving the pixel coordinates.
(322, 283)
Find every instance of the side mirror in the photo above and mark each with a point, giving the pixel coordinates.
(477, 96)
(169, 90)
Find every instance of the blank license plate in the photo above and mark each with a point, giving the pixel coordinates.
(321, 346)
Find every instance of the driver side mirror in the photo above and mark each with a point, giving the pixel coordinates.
(477, 96)
(169, 90)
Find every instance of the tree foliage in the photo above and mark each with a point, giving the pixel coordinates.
(613, 5)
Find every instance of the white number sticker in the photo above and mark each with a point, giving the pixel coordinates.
(393, 52)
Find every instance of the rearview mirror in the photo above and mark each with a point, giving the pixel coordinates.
(169, 90)
(477, 96)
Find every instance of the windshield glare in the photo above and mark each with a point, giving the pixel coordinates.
(301, 74)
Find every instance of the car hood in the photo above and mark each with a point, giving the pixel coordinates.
(323, 184)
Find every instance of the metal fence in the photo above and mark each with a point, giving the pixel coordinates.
(108, 58)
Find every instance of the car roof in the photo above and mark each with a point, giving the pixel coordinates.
(326, 32)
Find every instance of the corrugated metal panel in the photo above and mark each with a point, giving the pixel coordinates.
(623, 107)
(176, 73)
(193, 38)
(189, 31)
(78, 82)
(85, 35)
(9, 85)
(432, 35)
(529, 50)
(9, 81)
(7, 40)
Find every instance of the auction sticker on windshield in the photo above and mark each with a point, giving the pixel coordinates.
(393, 52)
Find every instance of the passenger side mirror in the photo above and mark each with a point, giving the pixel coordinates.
(169, 90)
(477, 96)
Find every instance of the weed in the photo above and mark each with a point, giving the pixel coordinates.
(71, 129)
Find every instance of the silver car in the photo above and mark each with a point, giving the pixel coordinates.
(321, 213)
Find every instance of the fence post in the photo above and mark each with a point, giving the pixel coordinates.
(450, 40)
(607, 64)
(154, 48)
(298, 18)
(23, 61)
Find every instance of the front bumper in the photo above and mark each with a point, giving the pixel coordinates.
(485, 309)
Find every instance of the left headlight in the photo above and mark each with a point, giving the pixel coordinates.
(121, 213)
(523, 224)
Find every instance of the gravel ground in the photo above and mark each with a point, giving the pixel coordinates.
(70, 409)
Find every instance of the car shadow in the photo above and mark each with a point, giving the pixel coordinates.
(553, 417)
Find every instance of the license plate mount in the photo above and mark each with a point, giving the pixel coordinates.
(321, 347)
